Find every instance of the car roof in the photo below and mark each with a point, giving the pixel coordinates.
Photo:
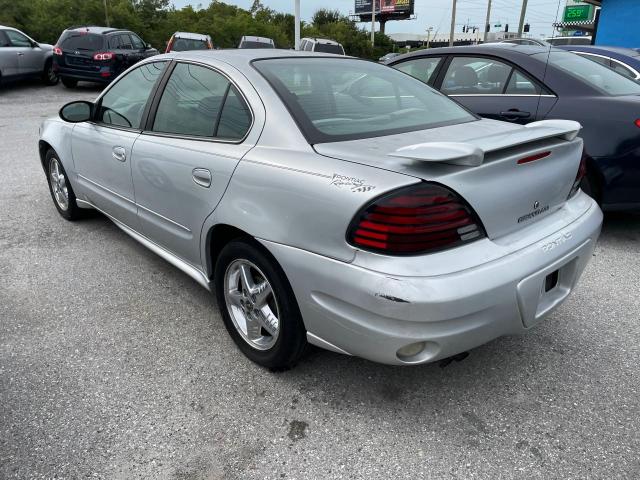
(240, 57)
(95, 29)
(191, 36)
(628, 52)
(321, 40)
(253, 38)
(497, 49)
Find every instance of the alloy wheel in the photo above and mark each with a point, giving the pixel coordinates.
(252, 304)
(58, 184)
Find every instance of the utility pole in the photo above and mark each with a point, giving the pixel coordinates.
(453, 24)
(487, 24)
(522, 14)
(297, 24)
(106, 15)
(373, 22)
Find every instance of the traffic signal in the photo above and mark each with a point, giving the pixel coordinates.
(487, 28)
(464, 29)
(527, 27)
(506, 27)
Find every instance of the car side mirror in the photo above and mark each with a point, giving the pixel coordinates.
(148, 46)
(35, 45)
(76, 112)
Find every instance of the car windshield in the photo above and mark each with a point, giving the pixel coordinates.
(603, 79)
(328, 48)
(82, 41)
(184, 44)
(249, 44)
(335, 99)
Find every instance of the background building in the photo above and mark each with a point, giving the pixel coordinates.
(617, 24)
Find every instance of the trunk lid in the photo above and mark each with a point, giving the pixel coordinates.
(479, 161)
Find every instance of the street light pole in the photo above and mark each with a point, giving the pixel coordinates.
(106, 15)
(297, 24)
(453, 23)
(373, 22)
(522, 15)
(487, 22)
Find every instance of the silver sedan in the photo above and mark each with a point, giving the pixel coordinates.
(331, 201)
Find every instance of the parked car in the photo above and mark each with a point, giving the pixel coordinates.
(522, 84)
(388, 57)
(97, 54)
(625, 61)
(579, 40)
(22, 57)
(183, 41)
(256, 42)
(522, 41)
(365, 213)
(323, 45)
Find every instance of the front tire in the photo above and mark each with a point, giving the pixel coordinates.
(49, 76)
(258, 306)
(61, 192)
(69, 82)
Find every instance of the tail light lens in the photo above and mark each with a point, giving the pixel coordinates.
(422, 218)
(57, 50)
(582, 171)
(103, 56)
(169, 46)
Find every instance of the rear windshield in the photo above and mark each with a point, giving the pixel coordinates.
(184, 44)
(597, 76)
(81, 41)
(335, 99)
(248, 44)
(328, 48)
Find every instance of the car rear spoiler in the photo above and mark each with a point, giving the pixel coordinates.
(471, 153)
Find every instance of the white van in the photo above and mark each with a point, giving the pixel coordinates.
(321, 45)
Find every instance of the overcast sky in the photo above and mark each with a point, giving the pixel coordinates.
(430, 13)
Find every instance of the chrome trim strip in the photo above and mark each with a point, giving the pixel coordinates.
(106, 189)
(611, 59)
(498, 95)
(319, 342)
(194, 272)
(164, 218)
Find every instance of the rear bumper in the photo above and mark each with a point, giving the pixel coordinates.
(89, 76)
(372, 314)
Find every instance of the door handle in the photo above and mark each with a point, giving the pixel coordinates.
(515, 114)
(202, 177)
(20, 54)
(119, 154)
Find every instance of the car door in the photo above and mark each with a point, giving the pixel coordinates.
(8, 57)
(491, 88)
(102, 148)
(183, 161)
(28, 60)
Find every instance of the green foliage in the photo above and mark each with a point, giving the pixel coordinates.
(155, 21)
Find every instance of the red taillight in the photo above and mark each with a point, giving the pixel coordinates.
(169, 46)
(103, 56)
(637, 122)
(582, 172)
(421, 218)
(57, 50)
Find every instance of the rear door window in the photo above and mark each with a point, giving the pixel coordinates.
(137, 42)
(4, 40)
(199, 101)
(521, 85)
(475, 76)
(420, 68)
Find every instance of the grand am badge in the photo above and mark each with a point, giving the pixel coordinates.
(354, 184)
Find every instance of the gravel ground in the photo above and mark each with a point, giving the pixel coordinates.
(113, 364)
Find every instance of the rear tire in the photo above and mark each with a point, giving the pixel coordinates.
(49, 76)
(69, 82)
(258, 306)
(590, 186)
(61, 192)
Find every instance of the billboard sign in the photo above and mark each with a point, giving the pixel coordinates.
(576, 13)
(363, 7)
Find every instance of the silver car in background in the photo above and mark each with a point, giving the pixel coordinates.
(23, 57)
(331, 200)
